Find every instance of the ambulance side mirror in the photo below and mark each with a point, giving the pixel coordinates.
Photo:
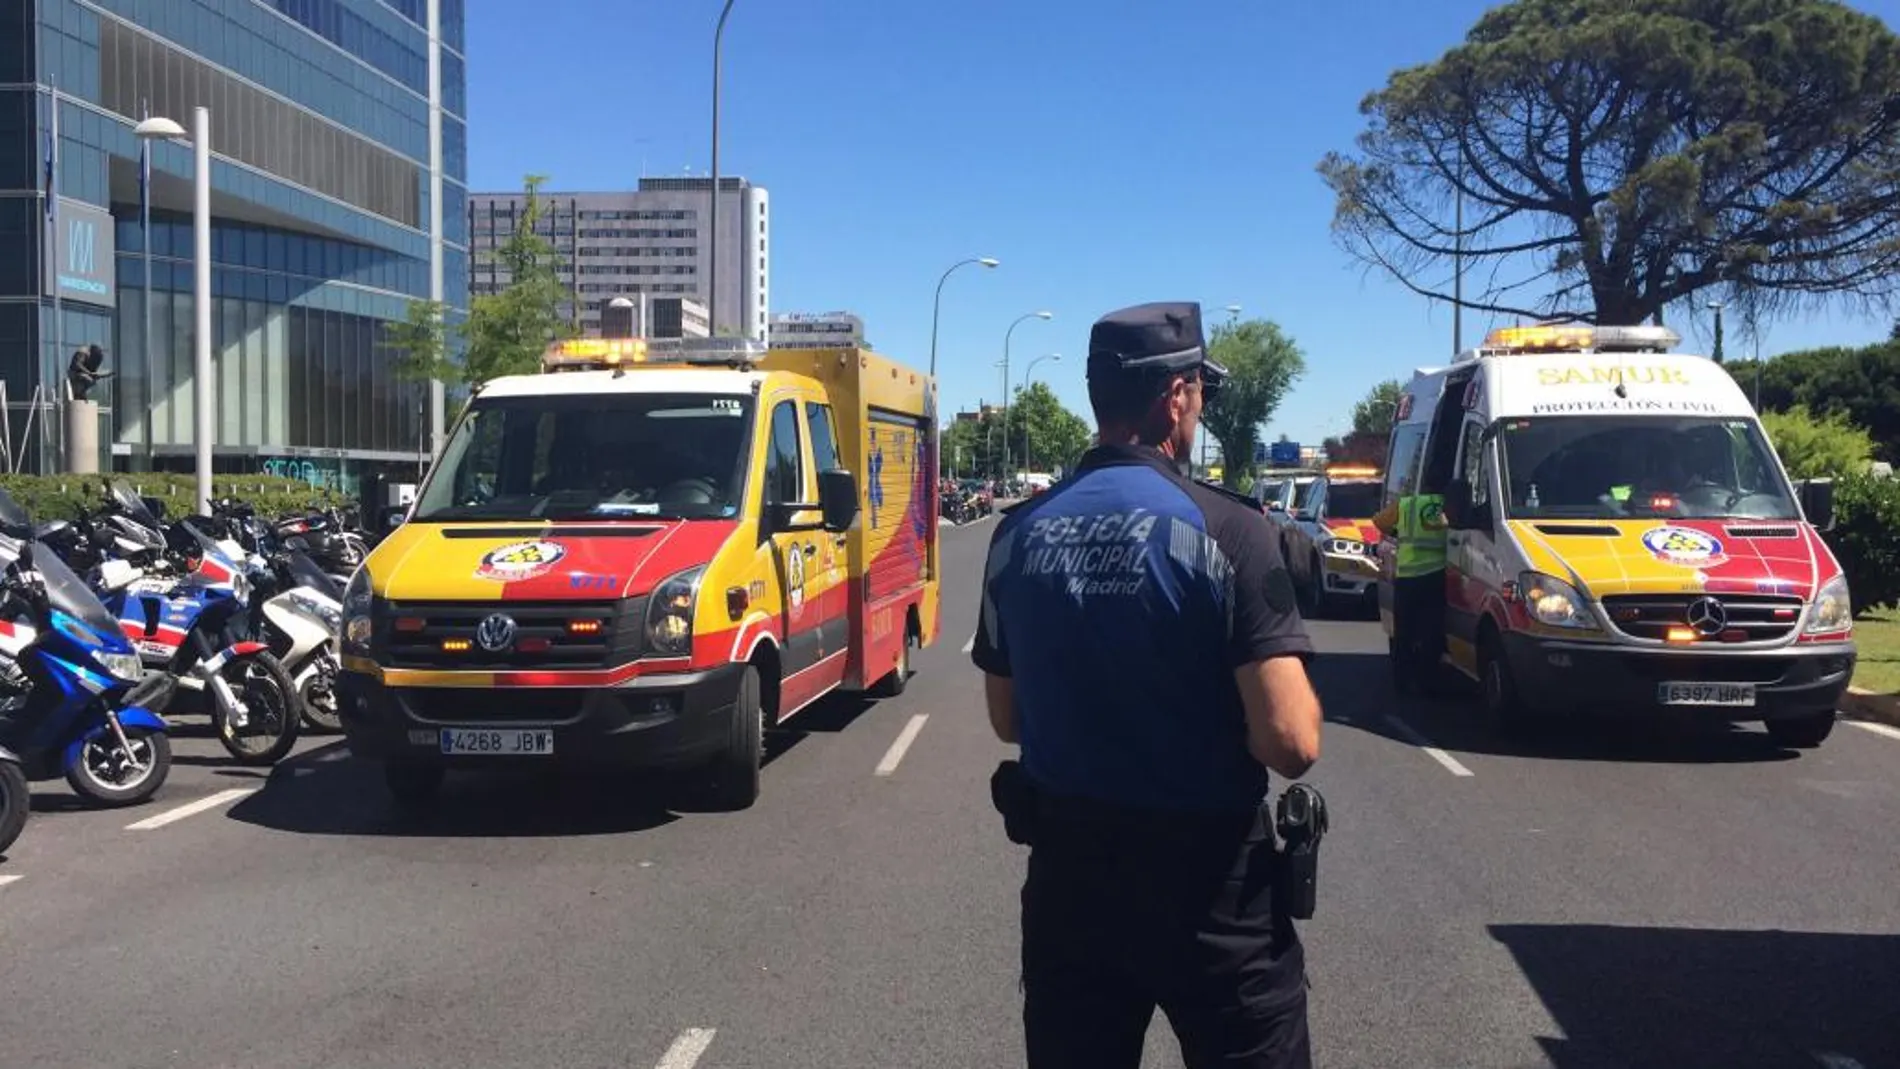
(838, 498)
(1460, 513)
(1817, 502)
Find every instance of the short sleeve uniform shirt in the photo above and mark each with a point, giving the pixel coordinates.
(1119, 604)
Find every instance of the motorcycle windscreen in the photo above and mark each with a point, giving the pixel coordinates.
(69, 594)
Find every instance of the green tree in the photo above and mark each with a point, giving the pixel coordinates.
(1262, 364)
(1613, 158)
(1814, 447)
(505, 332)
(1056, 438)
(972, 448)
(1374, 413)
(1861, 384)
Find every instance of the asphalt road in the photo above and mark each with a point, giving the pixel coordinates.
(1609, 898)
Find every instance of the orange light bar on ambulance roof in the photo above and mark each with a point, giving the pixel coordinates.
(1573, 338)
(590, 354)
(1352, 471)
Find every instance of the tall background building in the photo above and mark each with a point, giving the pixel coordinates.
(652, 240)
(339, 162)
(816, 330)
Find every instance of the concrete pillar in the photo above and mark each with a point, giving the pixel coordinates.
(82, 437)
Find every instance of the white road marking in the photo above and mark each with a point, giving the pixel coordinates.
(1836, 1061)
(1412, 736)
(15, 878)
(904, 738)
(1879, 729)
(685, 1051)
(969, 643)
(190, 809)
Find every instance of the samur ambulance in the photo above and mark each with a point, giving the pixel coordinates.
(646, 555)
(1621, 535)
(1331, 543)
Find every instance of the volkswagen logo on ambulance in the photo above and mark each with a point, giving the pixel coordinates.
(1707, 616)
(496, 632)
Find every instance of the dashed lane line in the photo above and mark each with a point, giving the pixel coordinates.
(904, 738)
(685, 1051)
(14, 878)
(190, 809)
(1412, 735)
(1879, 729)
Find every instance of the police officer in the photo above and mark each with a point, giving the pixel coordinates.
(1139, 639)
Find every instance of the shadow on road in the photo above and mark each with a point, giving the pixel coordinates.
(325, 791)
(1356, 689)
(1666, 997)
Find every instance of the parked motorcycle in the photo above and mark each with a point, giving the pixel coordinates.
(193, 622)
(88, 711)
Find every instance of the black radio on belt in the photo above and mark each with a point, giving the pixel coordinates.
(1301, 819)
(1013, 794)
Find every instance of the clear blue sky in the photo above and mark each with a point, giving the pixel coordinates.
(1108, 153)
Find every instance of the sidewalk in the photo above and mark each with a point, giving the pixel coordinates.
(1866, 705)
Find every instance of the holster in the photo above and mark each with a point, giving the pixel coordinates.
(1013, 794)
(1302, 822)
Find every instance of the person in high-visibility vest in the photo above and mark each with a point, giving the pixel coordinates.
(1415, 523)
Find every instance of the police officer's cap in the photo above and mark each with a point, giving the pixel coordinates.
(1162, 337)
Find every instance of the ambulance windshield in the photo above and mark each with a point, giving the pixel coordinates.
(1610, 467)
(574, 457)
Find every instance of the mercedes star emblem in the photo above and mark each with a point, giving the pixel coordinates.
(1707, 616)
(496, 632)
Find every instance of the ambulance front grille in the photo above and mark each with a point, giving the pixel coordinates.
(1758, 617)
(543, 635)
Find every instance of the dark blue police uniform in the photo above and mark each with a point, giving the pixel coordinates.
(1119, 603)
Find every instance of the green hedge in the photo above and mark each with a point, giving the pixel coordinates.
(1866, 538)
(58, 497)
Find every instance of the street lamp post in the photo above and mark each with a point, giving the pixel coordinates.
(1018, 321)
(1026, 373)
(936, 306)
(203, 402)
(712, 226)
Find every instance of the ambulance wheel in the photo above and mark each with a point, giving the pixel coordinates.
(1802, 732)
(735, 772)
(893, 684)
(1313, 591)
(1498, 695)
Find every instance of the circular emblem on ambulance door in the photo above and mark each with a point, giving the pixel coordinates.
(1683, 546)
(520, 560)
(496, 632)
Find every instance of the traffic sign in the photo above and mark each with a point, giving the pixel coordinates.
(1284, 452)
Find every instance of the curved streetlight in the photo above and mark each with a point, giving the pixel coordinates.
(157, 128)
(1018, 321)
(936, 305)
(1026, 372)
(712, 250)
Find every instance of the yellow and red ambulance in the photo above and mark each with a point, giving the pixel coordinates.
(1618, 533)
(647, 555)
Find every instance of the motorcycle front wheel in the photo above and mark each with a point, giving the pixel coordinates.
(108, 775)
(319, 699)
(16, 801)
(272, 710)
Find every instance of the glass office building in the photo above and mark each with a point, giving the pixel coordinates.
(338, 197)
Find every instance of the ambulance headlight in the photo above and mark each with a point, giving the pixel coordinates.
(1553, 602)
(1832, 610)
(670, 613)
(1343, 547)
(356, 604)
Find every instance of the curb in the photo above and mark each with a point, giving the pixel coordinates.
(1866, 705)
